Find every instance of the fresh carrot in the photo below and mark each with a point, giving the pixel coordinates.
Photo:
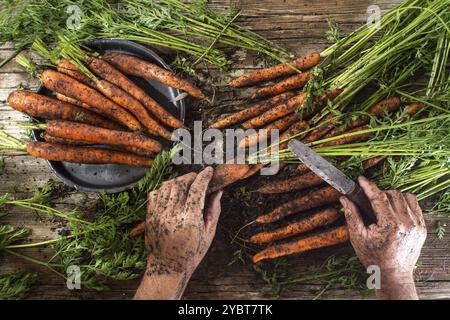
(349, 139)
(68, 68)
(72, 88)
(75, 154)
(261, 75)
(302, 168)
(317, 220)
(413, 108)
(306, 181)
(252, 111)
(293, 130)
(372, 162)
(44, 107)
(128, 64)
(227, 174)
(281, 125)
(55, 140)
(276, 112)
(324, 126)
(133, 105)
(325, 239)
(86, 133)
(253, 170)
(104, 70)
(291, 83)
(319, 198)
(137, 230)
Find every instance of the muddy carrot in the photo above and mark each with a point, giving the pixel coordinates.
(76, 154)
(275, 113)
(128, 64)
(325, 239)
(68, 68)
(225, 175)
(372, 162)
(44, 107)
(317, 220)
(137, 230)
(294, 82)
(349, 139)
(252, 111)
(72, 88)
(315, 199)
(281, 125)
(104, 70)
(261, 75)
(55, 140)
(306, 181)
(324, 127)
(130, 103)
(302, 168)
(86, 133)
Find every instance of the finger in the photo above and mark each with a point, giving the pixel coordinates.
(415, 208)
(212, 214)
(164, 195)
(400, 207)
(195, 201)
(378, 199)
(354, 221)
(180, 190)
(151, 204)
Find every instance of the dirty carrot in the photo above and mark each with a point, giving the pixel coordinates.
(302, 168)
(318, 198)
(325, 239)
(44, 107)
(261, 75)
(55, 140)
(275, 113)
(128, 64)
(227, 174)
(281, 125)
(251, 112)
(104, 70)
(372, 162)
(86, 133)
(98, 103)
(133, 105)
(306, 181)
(348, 139)
(324, 126)
(317, 220)
(68, 68)
(293, 82)
(76, 154)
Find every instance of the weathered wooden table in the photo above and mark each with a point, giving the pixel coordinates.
(298, 25)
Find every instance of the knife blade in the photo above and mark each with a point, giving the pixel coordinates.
(334, 177)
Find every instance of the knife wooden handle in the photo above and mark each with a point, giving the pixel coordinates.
(360, 199)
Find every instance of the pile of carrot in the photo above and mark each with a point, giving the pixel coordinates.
(105, 109)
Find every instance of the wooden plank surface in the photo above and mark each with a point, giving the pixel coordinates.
(298, 25)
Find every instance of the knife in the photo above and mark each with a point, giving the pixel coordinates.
(334, 177)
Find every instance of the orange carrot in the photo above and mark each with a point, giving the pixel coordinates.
(317, 220)
(303, 168)
(281, 125)
(128, 102)
(319, 198)
(68, 68)
(86, 133)
(275, 112)
(44, 107)
(104, 70)
(75, 154)
(72, 88)
(252, 111)
(132, 65)
(325, 126)
(261, 75)
(349, 139)
(325, 239)
(293, 82)
(225, 175)
(306, 181)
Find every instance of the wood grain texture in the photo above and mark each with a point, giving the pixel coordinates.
(298, 25)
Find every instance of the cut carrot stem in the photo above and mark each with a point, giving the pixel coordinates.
(318, 198)
(317, 220)
(261, 75)
(325, 239)
(291, 83)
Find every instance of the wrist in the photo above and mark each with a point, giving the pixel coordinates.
(396, 285)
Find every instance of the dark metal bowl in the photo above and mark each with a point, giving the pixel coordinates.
(114, 178)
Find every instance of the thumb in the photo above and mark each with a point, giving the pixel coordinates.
(212, 214)
(355, 223)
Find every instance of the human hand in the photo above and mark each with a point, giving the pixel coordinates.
(178, 232)
(394, 242)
